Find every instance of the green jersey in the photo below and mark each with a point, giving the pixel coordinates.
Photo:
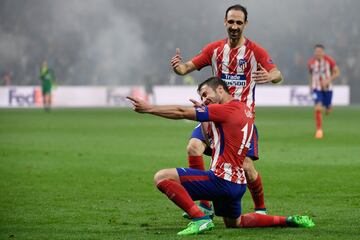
(47, 76)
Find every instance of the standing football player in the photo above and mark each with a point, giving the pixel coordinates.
(322, 72)
(242, 64)
(47, 76)
(230, 129)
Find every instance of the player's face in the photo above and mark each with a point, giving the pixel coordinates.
(235, 24)
(319, 53)
(208, 95)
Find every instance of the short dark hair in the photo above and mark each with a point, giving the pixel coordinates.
(319, 45)
(214, 82)
(239, 8)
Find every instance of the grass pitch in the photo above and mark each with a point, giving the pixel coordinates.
(87, 174)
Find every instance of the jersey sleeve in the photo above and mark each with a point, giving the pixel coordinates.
(203, 59)
(213, 113)
(309, 63)
(331, 62)
(264, 59)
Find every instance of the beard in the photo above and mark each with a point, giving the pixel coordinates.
(234, 35)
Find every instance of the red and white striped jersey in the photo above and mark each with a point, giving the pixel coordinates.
(235, 66)
(230, 131)
(320, 70)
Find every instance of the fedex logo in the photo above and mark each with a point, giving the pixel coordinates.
(298, 97)
(25, 98)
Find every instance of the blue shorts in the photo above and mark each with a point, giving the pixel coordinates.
(323, 97)
(204, 185)
(252, 152)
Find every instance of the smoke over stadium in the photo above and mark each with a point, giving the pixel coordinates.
(90, 43)
(131, 42)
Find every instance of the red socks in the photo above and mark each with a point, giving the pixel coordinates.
(197, 162)
(177, 193)
(257, 193)
(251, 220)
(318, 119)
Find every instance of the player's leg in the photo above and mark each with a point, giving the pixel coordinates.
(318, 108)
(50, 100)
(328, 102)
(254, 182)
(47, 101)
(46, 97)
(253, 220)
(255, 186)
(168, 182)
(195, 150)
(230, 208)
(43, 92)
(46, 88)
(183, 186)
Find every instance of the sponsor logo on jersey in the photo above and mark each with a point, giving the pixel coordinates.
(236, 80)
(235, 83)
(239, 77)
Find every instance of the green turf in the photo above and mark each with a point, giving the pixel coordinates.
(87, 174)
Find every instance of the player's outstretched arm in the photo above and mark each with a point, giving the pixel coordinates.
(179, 67)
(166, 111)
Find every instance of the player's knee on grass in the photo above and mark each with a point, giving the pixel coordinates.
(195, 147)
(169, 173)
(249, 168)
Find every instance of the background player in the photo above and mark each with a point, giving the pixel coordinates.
(323, 70)
(47, 77)
(242, 64)
(231, 130)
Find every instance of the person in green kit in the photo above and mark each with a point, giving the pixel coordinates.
(47, 76)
